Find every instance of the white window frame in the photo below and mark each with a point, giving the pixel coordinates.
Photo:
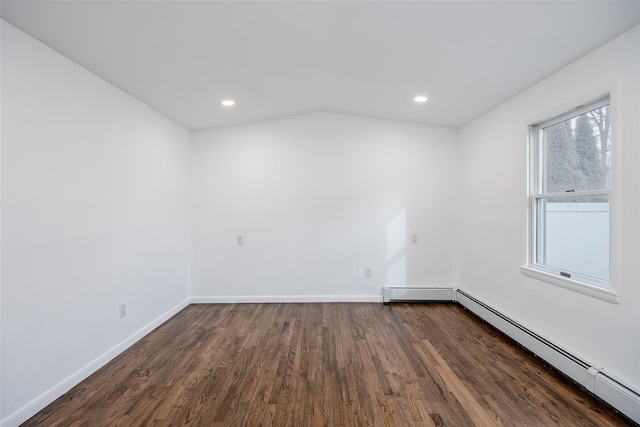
(574, 281)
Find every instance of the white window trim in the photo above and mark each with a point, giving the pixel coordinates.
(603, 294)
(594, 105)
(585, 285)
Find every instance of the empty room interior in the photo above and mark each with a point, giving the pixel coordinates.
(320, 213)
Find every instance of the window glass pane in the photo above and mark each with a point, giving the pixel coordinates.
(573, 235)
(576, 153)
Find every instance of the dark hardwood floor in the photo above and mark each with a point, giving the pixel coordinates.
(338, 364)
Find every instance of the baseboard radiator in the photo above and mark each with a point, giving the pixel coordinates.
(618, 395)
(407, 294)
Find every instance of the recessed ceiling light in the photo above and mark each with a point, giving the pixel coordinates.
(420, 99)
(228, 102)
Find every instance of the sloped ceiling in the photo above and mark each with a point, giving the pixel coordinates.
(285, 58)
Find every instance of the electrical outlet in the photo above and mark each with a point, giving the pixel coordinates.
(240, 240)
(123, 309)
(367, 272)
(414, 238)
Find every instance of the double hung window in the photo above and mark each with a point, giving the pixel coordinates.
(570, 185)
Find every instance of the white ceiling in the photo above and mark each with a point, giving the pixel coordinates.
(284, 58)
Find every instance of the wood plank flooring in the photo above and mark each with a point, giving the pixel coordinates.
(334, 364)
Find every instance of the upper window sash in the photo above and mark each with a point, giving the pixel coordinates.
(538, 150)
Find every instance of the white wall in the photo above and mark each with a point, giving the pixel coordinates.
(94, 188)
(493, 167)
(318, 198)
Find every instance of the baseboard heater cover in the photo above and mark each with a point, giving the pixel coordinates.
(422, 294)
(618, 395)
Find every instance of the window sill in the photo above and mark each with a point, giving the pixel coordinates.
(573, 285)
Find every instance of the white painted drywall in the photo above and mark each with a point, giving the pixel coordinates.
(493, 209)
(94, 187)
(317, 198)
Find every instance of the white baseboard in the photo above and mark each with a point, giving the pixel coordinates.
(595, 380)
(283, 298)
(400, 293)
(30, 409)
